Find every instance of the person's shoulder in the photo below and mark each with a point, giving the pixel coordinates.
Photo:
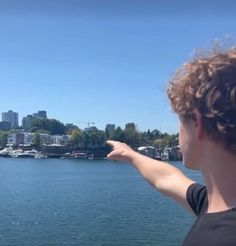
(197, 198)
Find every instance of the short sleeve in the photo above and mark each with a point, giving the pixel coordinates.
(197, 198)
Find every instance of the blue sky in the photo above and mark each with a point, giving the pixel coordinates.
(102, 61)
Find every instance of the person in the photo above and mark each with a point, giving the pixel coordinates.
(203, 94)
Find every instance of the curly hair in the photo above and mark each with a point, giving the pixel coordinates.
(208, 84)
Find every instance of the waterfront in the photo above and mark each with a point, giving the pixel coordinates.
(84, 202)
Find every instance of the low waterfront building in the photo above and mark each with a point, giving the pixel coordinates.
(45, 138)
(60, 139)
(149, 151)
(28, 138)
(11, 139)
(20, 138)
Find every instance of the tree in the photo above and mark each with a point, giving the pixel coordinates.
(3, 139)
(132, 137)
(77, 139)
(166, 141)
(56, 127)
(94, 138)
(36, 140)
(70, 127)
(52, 126)
(118, 135)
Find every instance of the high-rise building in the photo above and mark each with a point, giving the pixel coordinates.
(26, 122)
(110, 128)
(5, 125)
(41, 114)
(11, 117)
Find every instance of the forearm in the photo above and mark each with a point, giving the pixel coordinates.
(166, 178)
(153, 171)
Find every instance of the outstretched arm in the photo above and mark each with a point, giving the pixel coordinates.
(166, 178)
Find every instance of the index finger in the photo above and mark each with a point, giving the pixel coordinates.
(111, 142)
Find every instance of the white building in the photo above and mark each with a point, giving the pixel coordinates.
(11, 139)
(60, 139)
(28, 138)
(45, 138)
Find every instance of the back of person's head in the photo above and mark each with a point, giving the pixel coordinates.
(208, 84)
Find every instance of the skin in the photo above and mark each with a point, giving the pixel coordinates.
(199, 152)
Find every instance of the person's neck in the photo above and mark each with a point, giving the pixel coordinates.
(219, 171)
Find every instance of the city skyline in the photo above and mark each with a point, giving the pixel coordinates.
(12, 118)
(103, 61)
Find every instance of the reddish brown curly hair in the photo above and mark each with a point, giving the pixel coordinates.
(208, 84)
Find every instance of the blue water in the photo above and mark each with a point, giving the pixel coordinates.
(85, 202)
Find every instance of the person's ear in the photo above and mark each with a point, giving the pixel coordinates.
(199, 125)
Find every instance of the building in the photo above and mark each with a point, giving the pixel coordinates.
(110, 128)
(11, 139)
(27, 122)
(16, 138)
(28, 138)
(41, 114)
(45, 138)
(5, 125)
(12, 118)
(60, 139)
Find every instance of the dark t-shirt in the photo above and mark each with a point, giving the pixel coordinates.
(210, 229)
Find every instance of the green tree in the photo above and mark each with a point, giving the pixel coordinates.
(70, 127)
(166, 141)
(94, 138)
(118, 135)
(132, 137)
(36, 140)
(3, 139)
(52, 126)
(77, 138)
(56, 127)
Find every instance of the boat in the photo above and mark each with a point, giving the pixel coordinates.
(19, 153)
(40, 155)
(6, 152)
(27, 154)
(80, 155)
(68, 156)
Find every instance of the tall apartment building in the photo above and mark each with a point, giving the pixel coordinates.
(41, 114)
(26, 122)
(110, 128)
(11, 117)
(5, 125)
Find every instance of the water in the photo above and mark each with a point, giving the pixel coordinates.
(84, 202)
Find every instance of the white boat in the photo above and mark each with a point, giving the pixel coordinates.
(6, 152)
(27, 154)
(40, 155)
(15, 153)
(19, 153)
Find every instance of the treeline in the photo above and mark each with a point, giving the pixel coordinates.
(92, 137)
(129, 135)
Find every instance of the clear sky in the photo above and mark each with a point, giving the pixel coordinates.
(103, 61)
